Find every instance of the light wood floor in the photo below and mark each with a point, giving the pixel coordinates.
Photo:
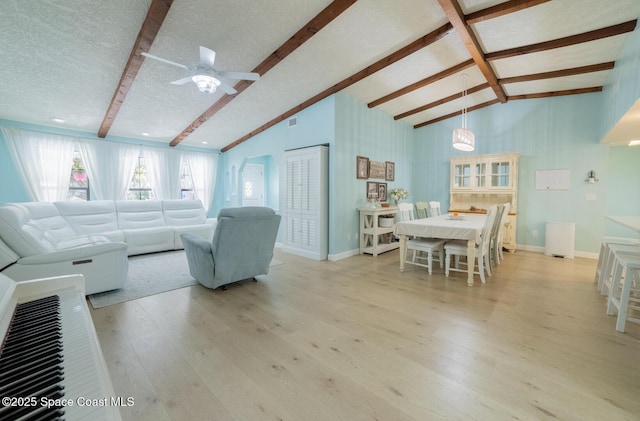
(356, 339)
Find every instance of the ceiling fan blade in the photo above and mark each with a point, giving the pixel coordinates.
(182, 81)
(207, 57)
(239, 75)
(164, 60)
(228, 89)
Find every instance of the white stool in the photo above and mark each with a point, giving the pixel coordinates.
(608, 261)
(631, 266)
(604, 252)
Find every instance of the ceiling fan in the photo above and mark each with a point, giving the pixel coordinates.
(204, 75)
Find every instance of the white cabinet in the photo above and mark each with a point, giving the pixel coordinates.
(478, 182)
(374, 238)
(306, 212)
(485, 172)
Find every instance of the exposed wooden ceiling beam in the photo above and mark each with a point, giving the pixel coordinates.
(561, 73)
(152, 23)
(441, 101)
(513, 97)
(557, 93)
(501, 10)
(524, 78)
(454, 13)
(444, 117)
(321, 20)
(609, 31)
(421, 83)
(377, 66)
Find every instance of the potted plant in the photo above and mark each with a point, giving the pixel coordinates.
(397, 194)
(77, 170)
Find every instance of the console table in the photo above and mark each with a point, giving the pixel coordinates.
(375, 239)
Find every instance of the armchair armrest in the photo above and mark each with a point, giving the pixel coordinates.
(199, 257)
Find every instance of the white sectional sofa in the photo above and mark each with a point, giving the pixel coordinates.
(39, 239)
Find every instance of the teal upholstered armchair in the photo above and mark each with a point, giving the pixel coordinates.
(242, 247)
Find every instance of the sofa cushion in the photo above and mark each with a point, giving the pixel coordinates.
(134, 214)
(48, 215)
(148, 240)
(23, 234)
(94, 217)
(183, 212)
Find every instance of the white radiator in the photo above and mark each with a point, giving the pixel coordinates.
(559, 239)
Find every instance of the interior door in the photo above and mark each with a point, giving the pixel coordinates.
(253, 185)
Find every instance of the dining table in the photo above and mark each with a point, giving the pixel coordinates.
(449, 227)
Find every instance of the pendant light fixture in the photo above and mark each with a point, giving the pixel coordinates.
(463, 138)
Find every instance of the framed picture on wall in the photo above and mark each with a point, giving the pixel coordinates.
(376, 169)
(362, 167)
(382, 192)
(372, 190)
(389, 171)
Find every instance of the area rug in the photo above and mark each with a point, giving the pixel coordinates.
(149, 275)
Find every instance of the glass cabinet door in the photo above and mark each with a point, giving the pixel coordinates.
(500, 174)
(462, 176)
(481, 175)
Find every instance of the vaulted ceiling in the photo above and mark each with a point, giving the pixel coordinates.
(80, 60)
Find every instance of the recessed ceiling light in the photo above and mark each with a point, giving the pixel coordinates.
(144, 133)
(634, 143)
(58, 119)
(204, 142)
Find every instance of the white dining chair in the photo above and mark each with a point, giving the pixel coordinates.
(458, 248)
(421, 210)
(496, 242)
(405, 212)
(433, 209)
(424, 250)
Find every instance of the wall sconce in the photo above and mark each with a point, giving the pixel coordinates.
(591, 177)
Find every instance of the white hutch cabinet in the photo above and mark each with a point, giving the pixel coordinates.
(480, 181)
(306, 213)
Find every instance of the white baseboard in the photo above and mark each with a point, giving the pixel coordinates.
(343, 255)
(534, 249)
(538, 249)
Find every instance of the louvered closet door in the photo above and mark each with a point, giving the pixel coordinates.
(309, 201)
(293, 200)
(302, 201)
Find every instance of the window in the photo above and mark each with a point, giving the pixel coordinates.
(186, 183)
(78, 180)
(248, 189)
(139, 187)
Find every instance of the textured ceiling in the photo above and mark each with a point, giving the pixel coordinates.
(64, 58)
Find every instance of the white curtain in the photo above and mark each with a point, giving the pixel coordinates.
(202, 167)
(110, 167)
(43, 160)
(163, 170)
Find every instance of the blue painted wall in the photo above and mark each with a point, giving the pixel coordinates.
(551, 133)
(361, 131)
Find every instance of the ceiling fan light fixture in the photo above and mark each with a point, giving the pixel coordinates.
(206, 83)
